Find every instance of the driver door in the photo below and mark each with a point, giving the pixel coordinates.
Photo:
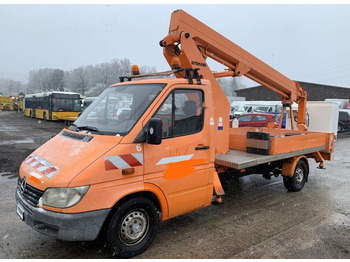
(180, 165)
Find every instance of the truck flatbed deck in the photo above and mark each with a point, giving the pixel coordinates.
(238, 159)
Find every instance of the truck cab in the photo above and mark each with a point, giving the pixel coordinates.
(161, 156)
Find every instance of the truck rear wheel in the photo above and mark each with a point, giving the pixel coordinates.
(132, 227)
(297, 181)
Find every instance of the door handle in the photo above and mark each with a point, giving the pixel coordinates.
(128, 171)
(201, 147)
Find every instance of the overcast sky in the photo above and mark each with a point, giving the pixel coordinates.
(304, 42)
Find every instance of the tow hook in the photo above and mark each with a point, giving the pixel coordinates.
(321, 166)
(217, 200)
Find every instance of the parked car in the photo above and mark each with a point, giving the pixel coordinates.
(255, 119)
(344, 120)
(122, 114)
(277, 116)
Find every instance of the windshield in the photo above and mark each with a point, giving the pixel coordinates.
(263, 109)
(118, 109)
(66, 104)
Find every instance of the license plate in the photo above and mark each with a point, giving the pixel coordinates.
(20, 211)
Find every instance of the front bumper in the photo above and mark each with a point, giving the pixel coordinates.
(71, 227)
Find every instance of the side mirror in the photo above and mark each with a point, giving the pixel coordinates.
(154, 132)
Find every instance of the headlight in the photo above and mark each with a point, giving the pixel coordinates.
(63, 197)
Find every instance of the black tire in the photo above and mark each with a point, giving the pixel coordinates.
(6, 108)
(132, 227)
(297, 181)
(340, 128)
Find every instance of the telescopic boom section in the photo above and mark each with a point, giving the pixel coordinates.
(192, 42)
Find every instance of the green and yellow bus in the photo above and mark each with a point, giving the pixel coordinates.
(53, 106)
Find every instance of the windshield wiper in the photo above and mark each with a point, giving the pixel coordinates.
(73, 127)
(89, 128)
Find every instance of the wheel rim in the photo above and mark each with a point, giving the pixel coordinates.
(299, 175)
(134, 227)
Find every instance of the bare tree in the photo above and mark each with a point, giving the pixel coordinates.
(10, 87)
(96, 90)
(78, 80)
(146, 69)
(46, 79)
(57, 80)
(125, 67)
(229, 85)
(86, 80)
(104, 73)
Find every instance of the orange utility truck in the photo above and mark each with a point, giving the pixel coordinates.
(161, 157)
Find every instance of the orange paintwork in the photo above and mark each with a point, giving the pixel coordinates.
(35, 180)
(280, 143)
(198, 41)
(72, 157)
(289, 165)
(191, 57)
(193, 191)
(180, 171)
(286, 144)
(187, 168)
(180, 187)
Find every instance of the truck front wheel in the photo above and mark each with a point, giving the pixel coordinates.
(297, 181)
(133, 227)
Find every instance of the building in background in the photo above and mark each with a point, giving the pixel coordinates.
(315, 92)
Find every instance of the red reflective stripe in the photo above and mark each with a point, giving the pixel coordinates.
(49, 170)
(28, 158)
(38, 165)
(109, 165)
(132, 161)
(32, 161)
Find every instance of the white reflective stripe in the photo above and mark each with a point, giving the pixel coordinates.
(139, 157)
(118, 162)
(174, 159)
(35, 175)
(42, 168)
(29, 158)
(34, 163)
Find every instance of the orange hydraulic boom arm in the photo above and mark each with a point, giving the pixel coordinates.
(192, 42)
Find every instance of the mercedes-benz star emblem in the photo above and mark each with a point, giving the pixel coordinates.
(23, 185)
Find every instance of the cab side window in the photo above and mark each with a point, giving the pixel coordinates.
(182, 113)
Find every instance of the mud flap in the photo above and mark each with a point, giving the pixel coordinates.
(217, 188)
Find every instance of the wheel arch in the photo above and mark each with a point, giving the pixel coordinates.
(289, 165)
(150, 192)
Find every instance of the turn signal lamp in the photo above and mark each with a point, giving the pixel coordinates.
(135, 70)
(175, 63)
